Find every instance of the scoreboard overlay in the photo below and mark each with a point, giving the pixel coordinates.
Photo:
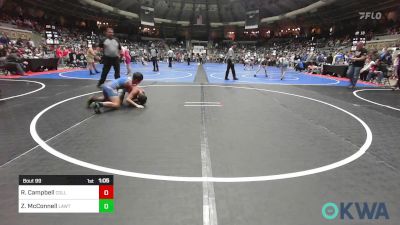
(66, 194)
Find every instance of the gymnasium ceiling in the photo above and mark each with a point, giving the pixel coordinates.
(213, 10)
(221, 12)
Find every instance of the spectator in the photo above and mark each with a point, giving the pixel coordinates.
(126, 56)
(90, 57)
(397, 86)
(3, 55)
(338, 59)
(365, 70)
(59, 54)
(20, 42)
(30, 43)
(329, 59)
(14, 63)
(4, 40)
(358, 61)
(377, 70)
(396, 73)
(386, 58)
(3, 51)
(299, 66)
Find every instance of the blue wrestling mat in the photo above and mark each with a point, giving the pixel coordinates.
(215, 72)
(179, 72)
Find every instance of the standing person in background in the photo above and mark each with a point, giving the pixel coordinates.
(141, 56)
(90, 58)
(65, 54)
(170, 54)
(154, 55)
(201, 58)
(230, 57)
(133, 56)
(111, 55)
(397, 67)
(283, 63)
(59, 55)
(357, 62)
(127, 59)
(187, 55)
(329, 59)
(263, 65)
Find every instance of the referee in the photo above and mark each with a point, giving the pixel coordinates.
(230, 56)
(153, 54)
(111, 55)
(170, 55)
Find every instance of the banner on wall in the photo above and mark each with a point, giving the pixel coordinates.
(147, 16)
(199, 49)
(252, 19)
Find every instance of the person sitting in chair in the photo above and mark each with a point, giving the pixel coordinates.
(378, 71)
(14, 63)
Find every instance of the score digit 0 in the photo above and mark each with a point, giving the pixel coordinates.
(106, 192)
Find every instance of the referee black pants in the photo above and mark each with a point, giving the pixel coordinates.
(230, 66)
(169, 61)
(108, 62)
(155, 63)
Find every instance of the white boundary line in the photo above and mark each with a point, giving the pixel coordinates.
(266, 81)
(209, 205)
(270, 77)
(28, 93)
(62, 132)
(321, 169)
(145, 79)
(202, 102)
(361, 90)
(200, 105)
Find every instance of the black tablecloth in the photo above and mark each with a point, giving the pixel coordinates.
(35, 65)
(335, 69)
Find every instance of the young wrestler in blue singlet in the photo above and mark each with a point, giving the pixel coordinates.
(111, 98)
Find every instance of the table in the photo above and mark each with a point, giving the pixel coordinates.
(35, 65)
(335, 69)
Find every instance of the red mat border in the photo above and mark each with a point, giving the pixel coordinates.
(30, 74)
(343, 79)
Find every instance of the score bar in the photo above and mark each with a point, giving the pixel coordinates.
(66, 194)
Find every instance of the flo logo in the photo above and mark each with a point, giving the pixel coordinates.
(355, 210)
(370, 15)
